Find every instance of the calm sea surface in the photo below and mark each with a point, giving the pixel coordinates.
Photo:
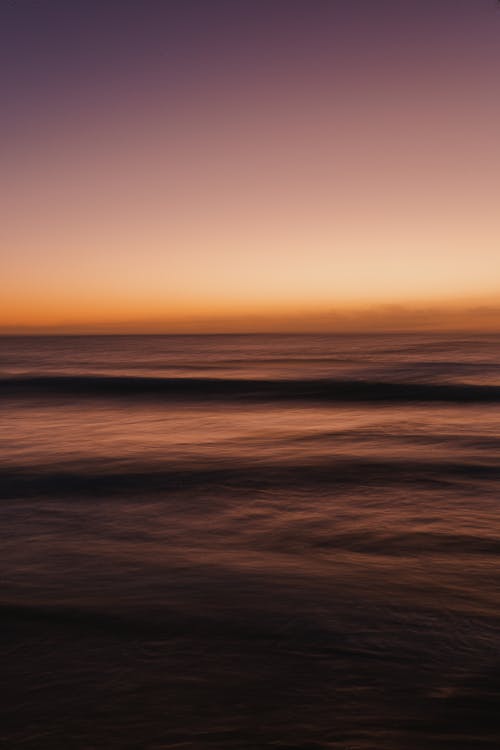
(286, 542)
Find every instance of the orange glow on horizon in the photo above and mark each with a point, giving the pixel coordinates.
(123, 317)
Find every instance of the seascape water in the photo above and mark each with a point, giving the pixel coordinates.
(251, 542)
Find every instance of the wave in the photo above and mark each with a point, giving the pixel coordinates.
(255, 390)
(90, 478)
(168, 624)
(164, 623)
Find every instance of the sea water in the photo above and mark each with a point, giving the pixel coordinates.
(259, 541)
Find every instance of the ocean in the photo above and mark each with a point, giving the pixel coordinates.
(258, 541)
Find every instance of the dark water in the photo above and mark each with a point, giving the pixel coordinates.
(250, 542)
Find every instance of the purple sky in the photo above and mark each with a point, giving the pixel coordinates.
(166, 160)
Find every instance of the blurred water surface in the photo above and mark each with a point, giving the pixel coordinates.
(251, 541)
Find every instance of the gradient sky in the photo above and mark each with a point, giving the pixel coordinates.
(249, 164)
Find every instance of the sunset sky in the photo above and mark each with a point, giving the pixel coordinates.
(172, 165)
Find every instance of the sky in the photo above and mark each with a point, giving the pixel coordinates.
(223, 165)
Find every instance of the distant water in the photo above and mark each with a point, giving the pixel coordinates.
(250, 542)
